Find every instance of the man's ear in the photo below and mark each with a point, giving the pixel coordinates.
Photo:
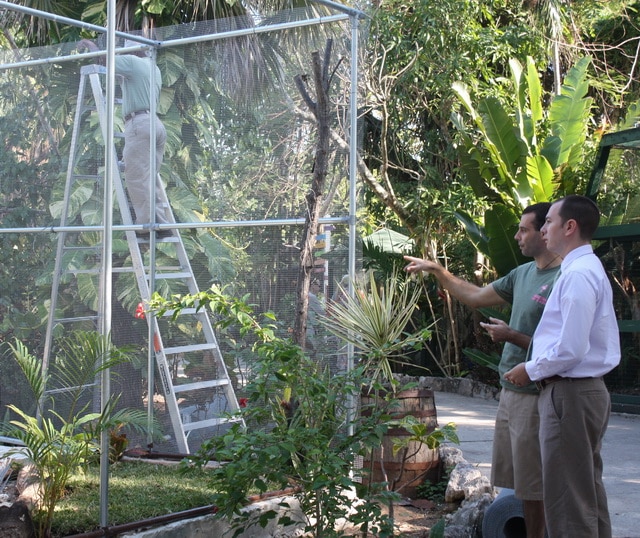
(572, 227)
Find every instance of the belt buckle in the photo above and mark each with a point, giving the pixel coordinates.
(540, 384)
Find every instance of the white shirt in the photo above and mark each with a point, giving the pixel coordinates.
(578, 333)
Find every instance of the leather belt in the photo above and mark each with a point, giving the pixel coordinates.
(132, 115)
(553, 379)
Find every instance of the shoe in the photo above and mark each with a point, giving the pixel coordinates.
(164, 234)
(160, 234)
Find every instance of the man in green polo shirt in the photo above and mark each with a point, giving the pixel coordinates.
(516, 462)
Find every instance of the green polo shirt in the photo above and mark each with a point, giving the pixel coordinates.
(526, 288)
(136, 74)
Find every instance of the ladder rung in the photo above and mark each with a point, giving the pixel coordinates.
(131, 269)
(200, 385)
(82, 272)
(172, 239)
(183, 312)
(79, 248)
(187, 349)
(172, 276)
(208, 423)
(95, 177)
(72, 320)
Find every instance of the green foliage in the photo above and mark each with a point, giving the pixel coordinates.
(524, 154)
(64, 434)
(375, 319)
(434, 491)
(302, 431)
(300, 418)
(438, 529)
(490, 360)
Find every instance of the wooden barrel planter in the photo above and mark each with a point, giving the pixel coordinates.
(422, 463)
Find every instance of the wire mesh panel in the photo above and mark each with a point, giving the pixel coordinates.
(236, 101)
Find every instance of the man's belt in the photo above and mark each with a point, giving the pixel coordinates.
(132, 115)
(544, 382)
(555, 378)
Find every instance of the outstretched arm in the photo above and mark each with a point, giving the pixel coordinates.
(466, 292)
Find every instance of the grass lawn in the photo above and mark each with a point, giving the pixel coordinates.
(137, 490)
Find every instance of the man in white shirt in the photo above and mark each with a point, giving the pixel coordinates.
(575, 344)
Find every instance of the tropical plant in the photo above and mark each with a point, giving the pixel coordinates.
(64, 433)
(304, 431)
(374, 319)
(525, 155)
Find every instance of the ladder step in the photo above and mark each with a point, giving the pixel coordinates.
(200, 385)
(130, 269)
(80, 248)
(82, 272)
(170, 239)
(73, 320)
(95, 177)
(188, 349)
(173, 276)
(183, 312)
(189, 426)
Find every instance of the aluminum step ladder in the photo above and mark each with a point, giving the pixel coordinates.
(197, 389)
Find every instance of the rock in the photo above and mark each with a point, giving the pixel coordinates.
(466, 522)
(29, 486)
(450, 456)
(16, 522)
(466, 482)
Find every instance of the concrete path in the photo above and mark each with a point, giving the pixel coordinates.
(474, 418)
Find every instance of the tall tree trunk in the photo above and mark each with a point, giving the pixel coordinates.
(321, 111)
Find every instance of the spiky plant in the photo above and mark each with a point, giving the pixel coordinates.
(375, 319)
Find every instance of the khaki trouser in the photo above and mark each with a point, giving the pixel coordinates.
(574, 414)
(137, 169)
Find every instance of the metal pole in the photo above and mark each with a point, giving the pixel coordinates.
(353, 156)
(151, 321)
(107, 250)
(65, 20)
(176, 42)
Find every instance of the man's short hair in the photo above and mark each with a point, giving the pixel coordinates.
(583, 210)
(540, 211)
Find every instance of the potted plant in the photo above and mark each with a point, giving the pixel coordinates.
(375, 320)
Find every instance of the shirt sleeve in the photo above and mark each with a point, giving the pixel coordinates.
(504, 286)
(568, 332)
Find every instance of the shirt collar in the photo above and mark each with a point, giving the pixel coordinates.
(575, 254)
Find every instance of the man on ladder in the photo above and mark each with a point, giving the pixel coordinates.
(135, 70)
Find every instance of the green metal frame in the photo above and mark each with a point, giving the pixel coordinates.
(627, 139)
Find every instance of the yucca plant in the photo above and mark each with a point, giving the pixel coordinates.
(58, 442)
(375, 320)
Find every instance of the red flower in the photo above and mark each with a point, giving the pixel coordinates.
(242, 402)
(139, 311)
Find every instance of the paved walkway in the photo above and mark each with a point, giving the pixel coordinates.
(474, 418)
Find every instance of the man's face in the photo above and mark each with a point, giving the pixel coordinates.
(553, 229)
(529, 239)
